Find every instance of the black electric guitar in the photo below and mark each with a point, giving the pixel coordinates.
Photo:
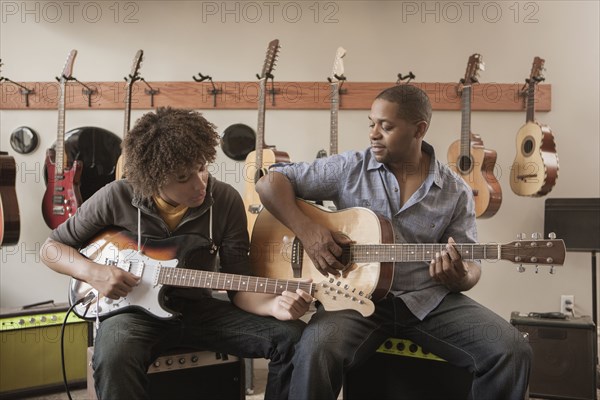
(535, 169)
(469, 158)
(263, 155)
(131, 79)
(337, 76)
(369, 259)
(156, 265)
(62, 196)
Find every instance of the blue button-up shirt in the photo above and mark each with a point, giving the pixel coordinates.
(442, 207)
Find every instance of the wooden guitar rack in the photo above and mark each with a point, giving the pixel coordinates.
(244, 96)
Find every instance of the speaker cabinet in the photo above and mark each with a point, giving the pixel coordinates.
(189, 375)
(564, 356)
(401, 370)
(30, 359)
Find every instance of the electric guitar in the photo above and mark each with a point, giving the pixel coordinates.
(62, 196)
(156, 265)
(337, 76)
(369, 259)
(131, 79)
(258, 160)
(535, 168)
(469, 158)
(10, 224)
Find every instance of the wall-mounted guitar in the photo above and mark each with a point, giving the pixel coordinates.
(131, 79)
(263, 155)
(336, 81)
(62, 196)
(535, 169)
(469, 158)
(10, 224)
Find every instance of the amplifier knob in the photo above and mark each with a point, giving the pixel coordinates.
(32, 320)
(43, 318)
(53, 318)
(169, 362)
(387, 344)
(194, 358)
(21, 321)
(413, 348)
(157, 364)
(400, 346)
(182, 360)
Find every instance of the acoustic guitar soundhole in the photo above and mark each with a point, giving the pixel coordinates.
(528, 145)
(465, 164)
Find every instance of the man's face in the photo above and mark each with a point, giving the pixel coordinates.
(186, 187)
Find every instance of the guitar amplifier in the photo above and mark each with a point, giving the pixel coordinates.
(401, 370)
(30, 359)
(189, 375)
(564, 356)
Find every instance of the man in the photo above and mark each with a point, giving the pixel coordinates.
(169, 194)
(398, 177)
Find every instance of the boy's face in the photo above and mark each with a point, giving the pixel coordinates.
(187, 187)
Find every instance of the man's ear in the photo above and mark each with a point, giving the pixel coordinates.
(421, 129)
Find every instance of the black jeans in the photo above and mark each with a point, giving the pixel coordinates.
(127, 343)
(459, 330)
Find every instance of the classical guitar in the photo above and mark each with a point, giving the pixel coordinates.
(535, 168)
(131, 79)
(258, 160)
(10, 224)
(337, 76)
(469, 158)
(277, 253)
(156, 265)
(62, 196)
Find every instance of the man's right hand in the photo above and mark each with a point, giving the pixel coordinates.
(324, 248)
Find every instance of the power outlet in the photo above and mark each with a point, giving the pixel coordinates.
(567, 304)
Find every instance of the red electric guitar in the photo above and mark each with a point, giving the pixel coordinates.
(469, 158)
(62, 196)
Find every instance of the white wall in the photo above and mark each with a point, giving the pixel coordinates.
(383, 38)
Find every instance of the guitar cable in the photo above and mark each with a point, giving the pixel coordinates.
(62, 341)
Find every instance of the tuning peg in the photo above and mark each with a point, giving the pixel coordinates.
(552, 235)
(521, 236)
(536, 236)
(521, 268)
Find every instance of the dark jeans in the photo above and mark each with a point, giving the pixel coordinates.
(127, 343)
(459, 330)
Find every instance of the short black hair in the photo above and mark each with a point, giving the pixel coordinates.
(413, 103)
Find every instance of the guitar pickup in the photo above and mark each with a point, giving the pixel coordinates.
(58, 211)
(58, 199)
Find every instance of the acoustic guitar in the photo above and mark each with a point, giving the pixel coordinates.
(277, 253)
(535, 168)
(10, 224)
(130, 79)
(337, 76)
(62, 196)
(156, 265)
(469, 158)
(258, 160)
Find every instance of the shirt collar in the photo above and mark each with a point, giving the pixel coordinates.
(373, 164)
